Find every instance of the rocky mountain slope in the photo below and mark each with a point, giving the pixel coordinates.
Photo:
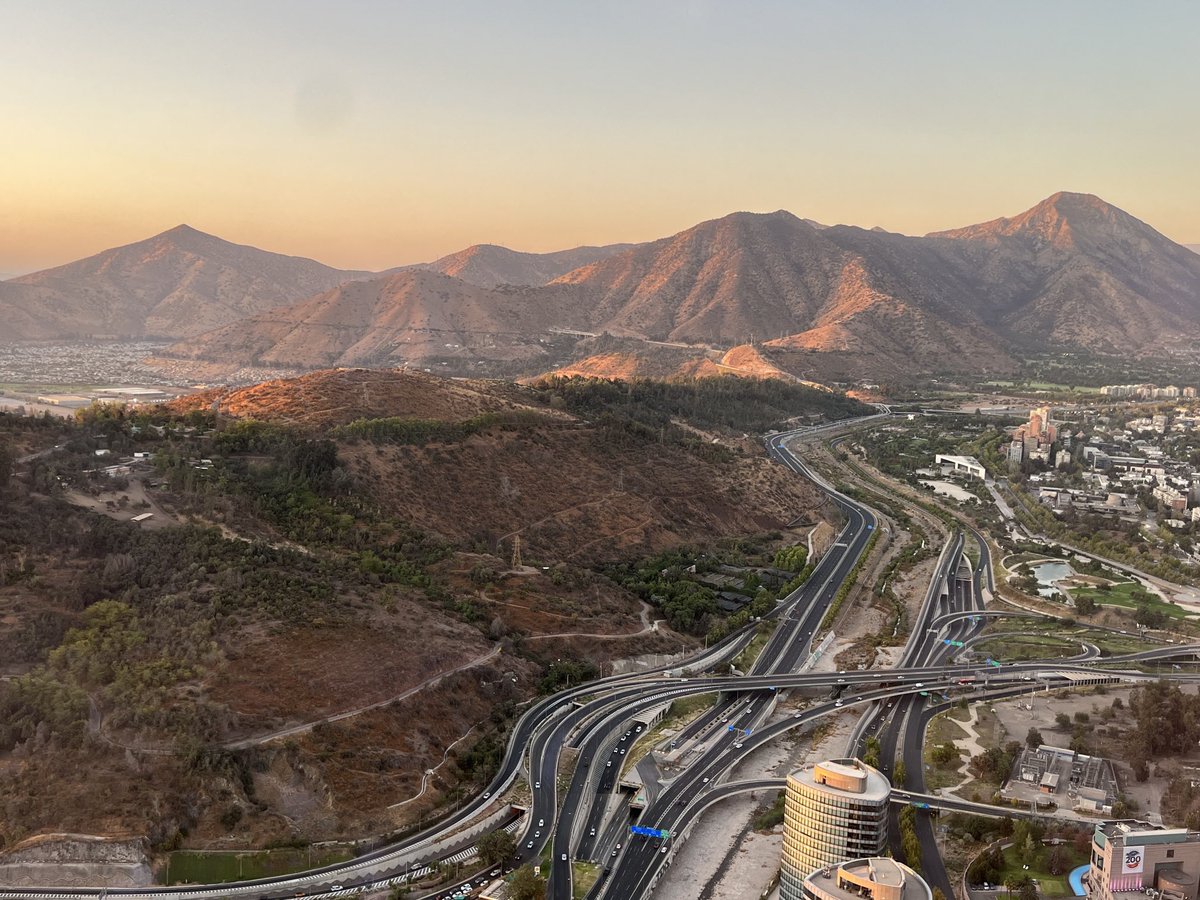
(820, 301)
(176, 284)
(339, 553)
(409, 316)
(830, 301)
(489, 266)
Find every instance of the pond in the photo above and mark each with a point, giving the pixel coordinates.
(1048, 574)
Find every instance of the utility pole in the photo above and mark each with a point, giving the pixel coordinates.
(516, 554)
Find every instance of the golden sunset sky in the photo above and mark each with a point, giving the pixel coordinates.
(371, 134)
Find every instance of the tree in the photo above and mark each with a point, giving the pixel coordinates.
(496, 846)
(1033, 739)
(1085, 605)
(6, 465)
(526, 886)
(899, 773)
(1062, 720)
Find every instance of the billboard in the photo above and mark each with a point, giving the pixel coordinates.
(1133, 861)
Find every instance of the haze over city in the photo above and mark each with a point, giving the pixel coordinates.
(368, 135)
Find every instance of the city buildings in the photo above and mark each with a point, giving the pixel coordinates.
(1131, 859)
(865, 879)
(833, 811)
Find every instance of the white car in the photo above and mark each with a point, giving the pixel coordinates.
(537, 784)
(839, 703)
(564, 857)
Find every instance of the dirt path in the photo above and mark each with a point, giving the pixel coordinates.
(308, 726)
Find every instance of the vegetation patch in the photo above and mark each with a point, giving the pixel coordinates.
(216, 867)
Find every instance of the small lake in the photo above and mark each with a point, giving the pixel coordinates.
(1048, 573)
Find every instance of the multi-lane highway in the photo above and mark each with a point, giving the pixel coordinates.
(573, 748)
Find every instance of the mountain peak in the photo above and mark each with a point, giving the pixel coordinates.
(1063, 220)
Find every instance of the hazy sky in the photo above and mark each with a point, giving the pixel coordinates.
(369, 134)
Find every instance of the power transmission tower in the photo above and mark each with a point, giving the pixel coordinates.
(516, 557)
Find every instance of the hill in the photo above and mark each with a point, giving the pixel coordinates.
(337, 544)
(488, 266)
(176, 284)
(406, 317)
(329, 398)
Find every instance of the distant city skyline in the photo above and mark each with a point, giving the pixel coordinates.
(369, 135)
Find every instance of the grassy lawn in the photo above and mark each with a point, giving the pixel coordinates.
(1048, 885)
(583, 876)
(1123, 595)
(1116, 644)
(1017, 647)
(201, 867)
(943, 728)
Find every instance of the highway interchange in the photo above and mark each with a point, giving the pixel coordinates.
(571, 747)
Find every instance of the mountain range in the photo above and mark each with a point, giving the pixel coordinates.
(817, 301)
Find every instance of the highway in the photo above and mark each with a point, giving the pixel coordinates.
(572, 747)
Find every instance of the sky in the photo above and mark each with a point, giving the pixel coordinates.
(372, 134)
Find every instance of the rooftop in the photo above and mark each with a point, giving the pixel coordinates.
(875, 878)
(849, 776)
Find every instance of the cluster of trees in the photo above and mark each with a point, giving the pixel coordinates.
(1181, 803)
(418, 432)
(910, 844)
(691, 607)
(793, 558)
(995, 763)
(1167, 721)
(945, 755)
(740, 404)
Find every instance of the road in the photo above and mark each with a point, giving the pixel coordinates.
(571, 747)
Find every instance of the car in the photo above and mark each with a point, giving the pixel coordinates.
(537, 785)
(622, 751)
(920, 684)
(541, 822)
(563, 857)
(616, 749)
(537, 834)
(663, 850)
(705, 779)
(638, 729)
(798, 715)
(841, 681)
(618, 846)
(592, 833)
(530, 845)
(737, 746)
(839, 703)
(609, 764)
(335, 887)
(614, 853)
(486, 794)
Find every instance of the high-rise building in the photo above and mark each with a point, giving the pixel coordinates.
(866, 879)
(1132, 859)
(833, 811)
